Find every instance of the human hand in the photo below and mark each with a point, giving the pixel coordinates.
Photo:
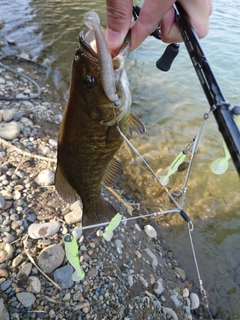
(153, 12)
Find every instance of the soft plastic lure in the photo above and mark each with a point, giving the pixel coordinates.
(220, 165)
(114, 223)
(71, 249)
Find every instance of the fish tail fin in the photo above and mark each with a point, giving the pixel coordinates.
(104, 213)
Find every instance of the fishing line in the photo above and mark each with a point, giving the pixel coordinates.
(98, 225)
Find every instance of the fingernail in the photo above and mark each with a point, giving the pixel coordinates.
(113, 39)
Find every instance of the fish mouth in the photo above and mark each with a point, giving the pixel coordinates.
(87, 42)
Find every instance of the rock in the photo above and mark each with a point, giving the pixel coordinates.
(185, 293)
(144, 282)
(152, 256)
(194, 300)
(92, 273)
(175, 300)
(43, 230)
(53, 143)
(5, 285)
(181, 273)
(3, 311)
(6, 252)
(63, 276)
(74, 216)
(171, 312)
(26, 298)
(8, 237)
(2, 202)
(130, 280)
(2, 81)
(7, 195)
(119, 245)
(138, 254)
(8, 114)
(17, 260)
(3, 273)
(11, 41)
(9, 130)
(16, 195)
(45, 177)
(158, 286)
(33, 284)
(150, 231)
(24, 271)
(50, 258)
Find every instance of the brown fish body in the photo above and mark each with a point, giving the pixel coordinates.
(88, 138)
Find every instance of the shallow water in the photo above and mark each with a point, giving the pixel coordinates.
(171, 105)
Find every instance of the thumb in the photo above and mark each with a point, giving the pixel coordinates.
(119, 16)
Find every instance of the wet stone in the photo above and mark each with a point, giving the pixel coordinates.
(24, 271)
(43, 230)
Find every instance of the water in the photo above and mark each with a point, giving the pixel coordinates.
(171, 105)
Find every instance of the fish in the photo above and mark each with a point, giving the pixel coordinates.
(98, 106)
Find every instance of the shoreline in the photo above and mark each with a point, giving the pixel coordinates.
(133, 279)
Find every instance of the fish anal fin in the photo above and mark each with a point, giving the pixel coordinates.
(104, 213)
(136, 124)
(64, 189)
(113, 173)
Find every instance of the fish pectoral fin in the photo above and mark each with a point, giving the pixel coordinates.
(135, 123)
(105, 212)
(113, 173)
(64, 189)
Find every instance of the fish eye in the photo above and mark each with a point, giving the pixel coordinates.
(89, 81)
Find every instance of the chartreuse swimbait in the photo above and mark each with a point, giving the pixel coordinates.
(114, 223)
(71, 249)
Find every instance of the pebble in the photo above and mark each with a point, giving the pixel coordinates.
(2, 202)
(63, 276)
(26, 298)
(92, 273)
(45, 177)
(194, 300)
(3, 311)
(9, 130)
(51, 258)
(6, 252)
(5, 285)
(74, 216)
(119, 245)
(158, 286)
(33, 284)
(170, 312)
(181, 273)
(8, 237)
(3, 273)
(152, 256)
(24, 271)
(144, 282)
(175, 300)
(16, 195)
(185, 293)
(17, 260)
(8, 114)
(53, 142)
(138, 254)
(150, 231)
(43, 230)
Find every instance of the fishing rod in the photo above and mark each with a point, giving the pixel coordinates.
(218, 104)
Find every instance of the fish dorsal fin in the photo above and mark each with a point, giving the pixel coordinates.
(136, 124)
(65, 190)
(113, 172)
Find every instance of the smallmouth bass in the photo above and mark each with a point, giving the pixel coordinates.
(99, 100)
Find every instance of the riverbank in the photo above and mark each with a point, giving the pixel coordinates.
(133, 276)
